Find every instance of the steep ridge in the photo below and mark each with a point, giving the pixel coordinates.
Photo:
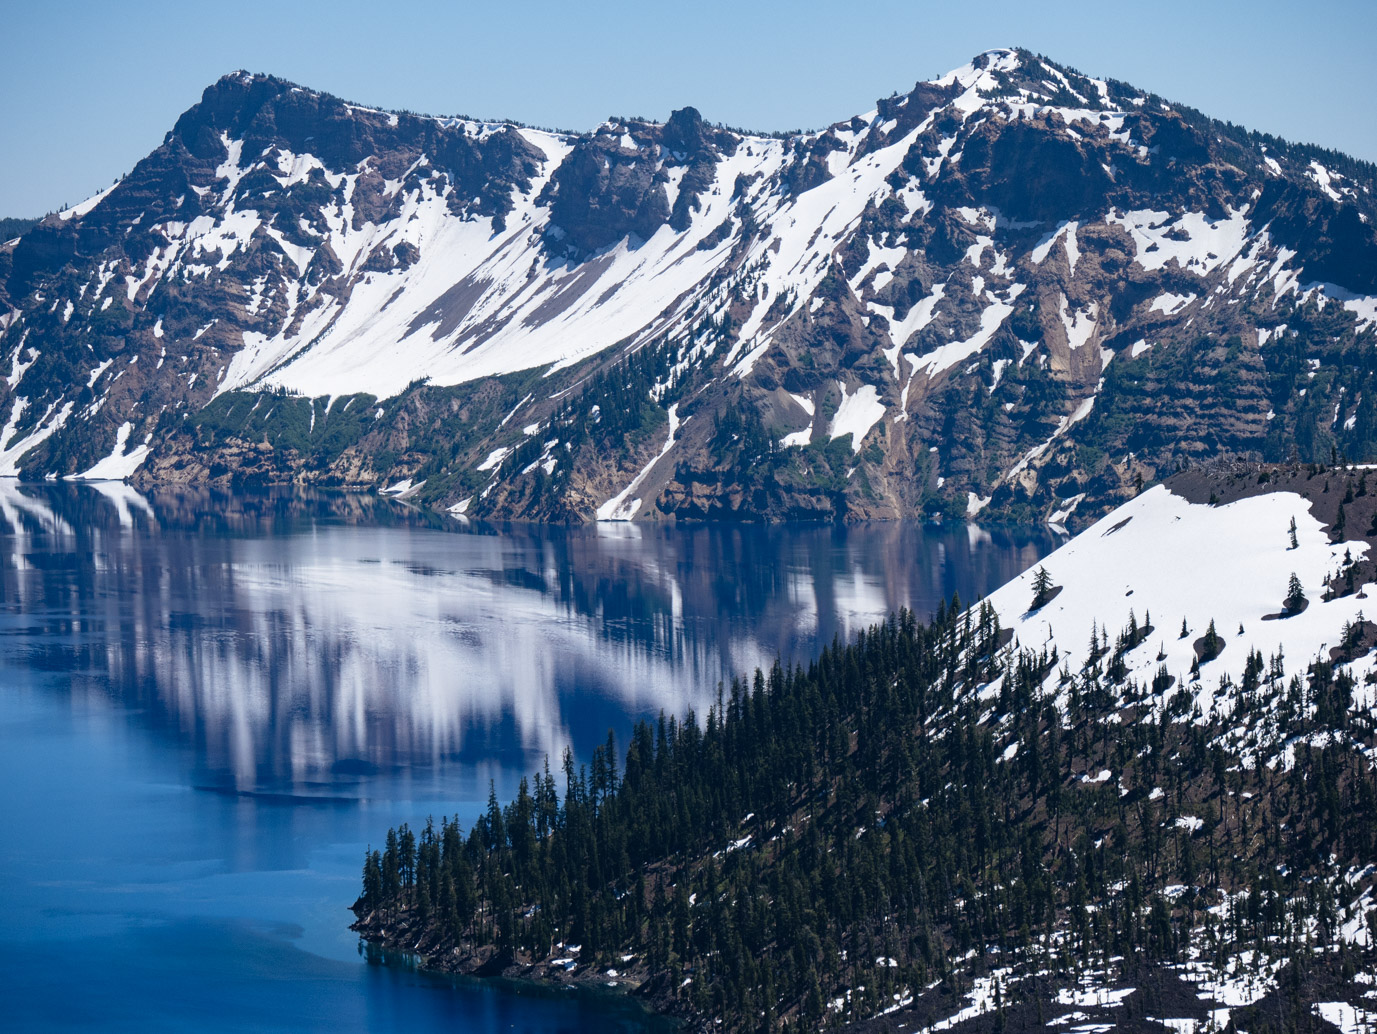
(1049, 811)
(1015, 291)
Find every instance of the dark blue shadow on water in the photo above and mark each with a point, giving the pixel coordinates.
(195, 975)
(211, 704)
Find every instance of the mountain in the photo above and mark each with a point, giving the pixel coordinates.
(1016, 291)
(1051, 811)
(1215, 550)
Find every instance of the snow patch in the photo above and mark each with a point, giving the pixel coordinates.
(122, 461)
(857, 414)
(622, 507)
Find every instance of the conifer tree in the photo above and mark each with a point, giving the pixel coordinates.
(1210, 647)
(1295, 595)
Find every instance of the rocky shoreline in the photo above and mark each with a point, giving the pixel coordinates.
(629, 982)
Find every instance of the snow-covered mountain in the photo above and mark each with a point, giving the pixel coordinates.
(1223, 612)
(1015, 290)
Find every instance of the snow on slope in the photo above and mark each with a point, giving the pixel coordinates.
(382, 270)
(12, 450)
(622, 506)
(527, 310)
(857, 414)
(122, 461)
(1161, 554)
(481, 302)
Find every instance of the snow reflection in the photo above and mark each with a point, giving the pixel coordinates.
(299, 643)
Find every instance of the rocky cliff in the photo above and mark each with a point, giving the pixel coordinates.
(1015, 291)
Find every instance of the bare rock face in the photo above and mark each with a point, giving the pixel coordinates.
(1015, 291)
(613, 184)
(604, 191)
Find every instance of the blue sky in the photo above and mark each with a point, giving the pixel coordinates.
(86, 89)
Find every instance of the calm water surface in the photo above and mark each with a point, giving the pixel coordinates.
(211, 704)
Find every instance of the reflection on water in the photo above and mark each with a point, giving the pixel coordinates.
(328, 666)
(303, 642)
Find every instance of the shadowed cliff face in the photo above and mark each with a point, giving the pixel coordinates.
(1014, 291)
(615, 183)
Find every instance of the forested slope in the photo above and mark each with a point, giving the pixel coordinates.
(923, 825)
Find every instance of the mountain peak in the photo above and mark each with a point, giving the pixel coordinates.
(1016, 289)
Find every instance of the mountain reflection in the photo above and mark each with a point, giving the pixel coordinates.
(300, 641)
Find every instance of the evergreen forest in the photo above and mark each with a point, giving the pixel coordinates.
(917, 809)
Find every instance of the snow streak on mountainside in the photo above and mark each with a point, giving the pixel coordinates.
(1014, 290)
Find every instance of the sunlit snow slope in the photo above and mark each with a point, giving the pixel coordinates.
(1015, 290)
(1182, 565)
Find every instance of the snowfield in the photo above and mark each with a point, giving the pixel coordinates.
(1162, 556)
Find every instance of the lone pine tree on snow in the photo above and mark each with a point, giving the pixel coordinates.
(1295, 594)
(1212, 645)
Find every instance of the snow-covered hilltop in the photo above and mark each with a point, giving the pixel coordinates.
(1205, 651)
(1146, 582)
(1015, 290)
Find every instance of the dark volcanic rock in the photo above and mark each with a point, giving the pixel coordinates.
(1015, 290)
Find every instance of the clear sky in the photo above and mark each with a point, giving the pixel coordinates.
(86, 89)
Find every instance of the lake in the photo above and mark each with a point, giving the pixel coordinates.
(212, 703)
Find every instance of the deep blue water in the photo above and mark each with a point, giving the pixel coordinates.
(211, 704)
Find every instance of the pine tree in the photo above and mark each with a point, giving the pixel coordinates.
(1042, 588)
(1295, 543)
(1212, 644)
(1295, 595)
(372, 880)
